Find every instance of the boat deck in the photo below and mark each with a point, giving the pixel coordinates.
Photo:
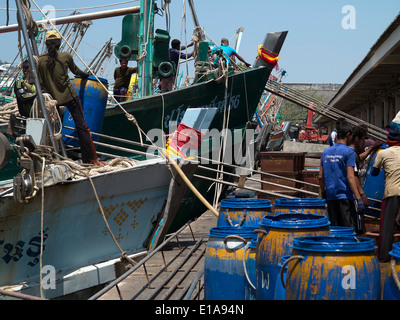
(172, 273)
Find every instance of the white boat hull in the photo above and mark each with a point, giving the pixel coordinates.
(75, 234)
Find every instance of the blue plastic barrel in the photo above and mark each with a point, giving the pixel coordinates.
(243, 212)
(249, 260)
(391, 290)
(93, 98)
(333, 268)
(275, 238)
(301, 205)
(342, 231)
(224, 276)
(374, 186)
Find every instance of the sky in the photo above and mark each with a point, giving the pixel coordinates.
(327, 39)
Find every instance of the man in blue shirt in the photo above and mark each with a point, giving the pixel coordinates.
(228, 52)
(337, 180)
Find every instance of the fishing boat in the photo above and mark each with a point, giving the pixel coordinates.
(234, 94)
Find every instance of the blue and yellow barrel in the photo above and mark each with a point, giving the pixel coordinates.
(243, 212)
(301, 205)
(93, 98)
(391, 290)
(374, 186)
(224, 276)
(342, 231)
(275, 238)
(249, 263)
(333, 268)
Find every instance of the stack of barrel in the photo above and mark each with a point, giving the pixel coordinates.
(290, 252)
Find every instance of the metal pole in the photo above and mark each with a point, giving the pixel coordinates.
(144, 33)
(173, 272)
(79, 17)
(194, 283)
(244, 187)
(195, 20)
(32, 64)
(19, 295)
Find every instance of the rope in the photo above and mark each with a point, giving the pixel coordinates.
(30, 23)
(284, 265)
(395, 275)
(225, 125)
(7, 110)
(123, 253)
(51, 107)
(245, 269)
(41, 232)
(86, 171)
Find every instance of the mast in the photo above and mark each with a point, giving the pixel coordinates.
(198, 32)
(29, 51)
(146, 44)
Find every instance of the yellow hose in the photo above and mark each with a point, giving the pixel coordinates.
(190, 185)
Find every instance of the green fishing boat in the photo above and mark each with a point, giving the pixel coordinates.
(236, 96)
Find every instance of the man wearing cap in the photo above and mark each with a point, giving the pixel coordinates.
(53, 76)
(389, 160)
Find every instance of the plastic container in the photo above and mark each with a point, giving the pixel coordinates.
(333, 268)
(93, 98)
(275, 238)
(224, 276)
(243, 212)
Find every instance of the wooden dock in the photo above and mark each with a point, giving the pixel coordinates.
(173, 273)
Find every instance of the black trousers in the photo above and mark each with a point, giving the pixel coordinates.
(342, 213)
(88, 150)
(391, 210)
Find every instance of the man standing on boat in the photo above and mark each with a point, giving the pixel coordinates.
(175, 53)
(389, 160)
(337, 180)
(25, 90)
(122, 77)
(53, 76)
(228, 52)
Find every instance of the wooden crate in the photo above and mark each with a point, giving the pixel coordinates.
(310, 176)
(280, 180)
(279, 161)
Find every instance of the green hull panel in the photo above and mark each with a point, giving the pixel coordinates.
(149, 111)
